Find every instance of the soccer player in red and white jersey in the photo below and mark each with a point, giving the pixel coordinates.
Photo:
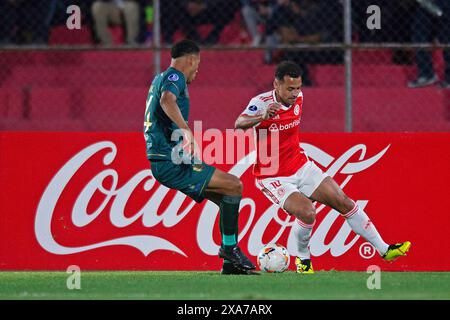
(295, 182)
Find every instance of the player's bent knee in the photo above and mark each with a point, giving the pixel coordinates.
(305, 213)
(239, 186)
(309, 217)
(345, 203)
(236, 186)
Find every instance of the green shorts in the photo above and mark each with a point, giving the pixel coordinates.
(190, 179)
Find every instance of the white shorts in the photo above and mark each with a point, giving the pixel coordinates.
(305, 181)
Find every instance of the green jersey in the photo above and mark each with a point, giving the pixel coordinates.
(158, 127)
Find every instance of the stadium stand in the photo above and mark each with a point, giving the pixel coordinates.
(100, 90)
(87, 86)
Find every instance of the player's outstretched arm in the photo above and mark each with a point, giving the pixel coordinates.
(245, 121)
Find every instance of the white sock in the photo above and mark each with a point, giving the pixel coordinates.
(361, 224)
(302, 232)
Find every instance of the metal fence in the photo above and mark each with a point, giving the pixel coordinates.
(86, 65)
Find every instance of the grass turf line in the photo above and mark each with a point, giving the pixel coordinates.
(200, 285)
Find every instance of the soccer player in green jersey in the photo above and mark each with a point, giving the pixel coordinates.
(166, 130)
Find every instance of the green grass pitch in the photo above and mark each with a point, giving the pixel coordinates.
(183, 285)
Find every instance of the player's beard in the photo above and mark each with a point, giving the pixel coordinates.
(287, 102)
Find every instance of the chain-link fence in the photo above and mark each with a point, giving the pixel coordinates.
(86, 65)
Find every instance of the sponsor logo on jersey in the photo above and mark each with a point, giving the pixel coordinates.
(173, 77)
(252, 108)
(281, 127)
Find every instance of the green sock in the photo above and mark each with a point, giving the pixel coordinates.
(236, 232)
(229, 213)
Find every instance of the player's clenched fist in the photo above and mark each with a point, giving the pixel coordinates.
(271, 110)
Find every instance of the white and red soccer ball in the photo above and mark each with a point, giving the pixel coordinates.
(273, 257)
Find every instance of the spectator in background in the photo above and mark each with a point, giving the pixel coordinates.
(256, 13)
(26, 22)
(424, 29)
(173, 17)
(391, 20)
(7, 21)
(311, 22)
(398, 29)
(187, 15)
(219, 13)
(275, 15)
(116, 12)
(396, 18)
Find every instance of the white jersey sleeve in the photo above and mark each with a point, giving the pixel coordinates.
(255, 107)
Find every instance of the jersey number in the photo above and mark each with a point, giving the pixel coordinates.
(276, 184)
(147, 122)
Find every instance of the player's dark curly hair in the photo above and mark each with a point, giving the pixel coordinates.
(288, 68)
(184, 47)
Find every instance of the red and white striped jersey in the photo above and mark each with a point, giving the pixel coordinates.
(287, 156)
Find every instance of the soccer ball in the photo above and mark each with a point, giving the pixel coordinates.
(273, 257)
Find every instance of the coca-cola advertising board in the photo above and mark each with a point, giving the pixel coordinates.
(89, 199)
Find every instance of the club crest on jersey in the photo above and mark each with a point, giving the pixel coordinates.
(296, 109)
(173, 77)
(252, 108)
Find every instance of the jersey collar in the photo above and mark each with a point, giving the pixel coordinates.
(283, 107)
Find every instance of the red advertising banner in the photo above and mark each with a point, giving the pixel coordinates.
(89, 199)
